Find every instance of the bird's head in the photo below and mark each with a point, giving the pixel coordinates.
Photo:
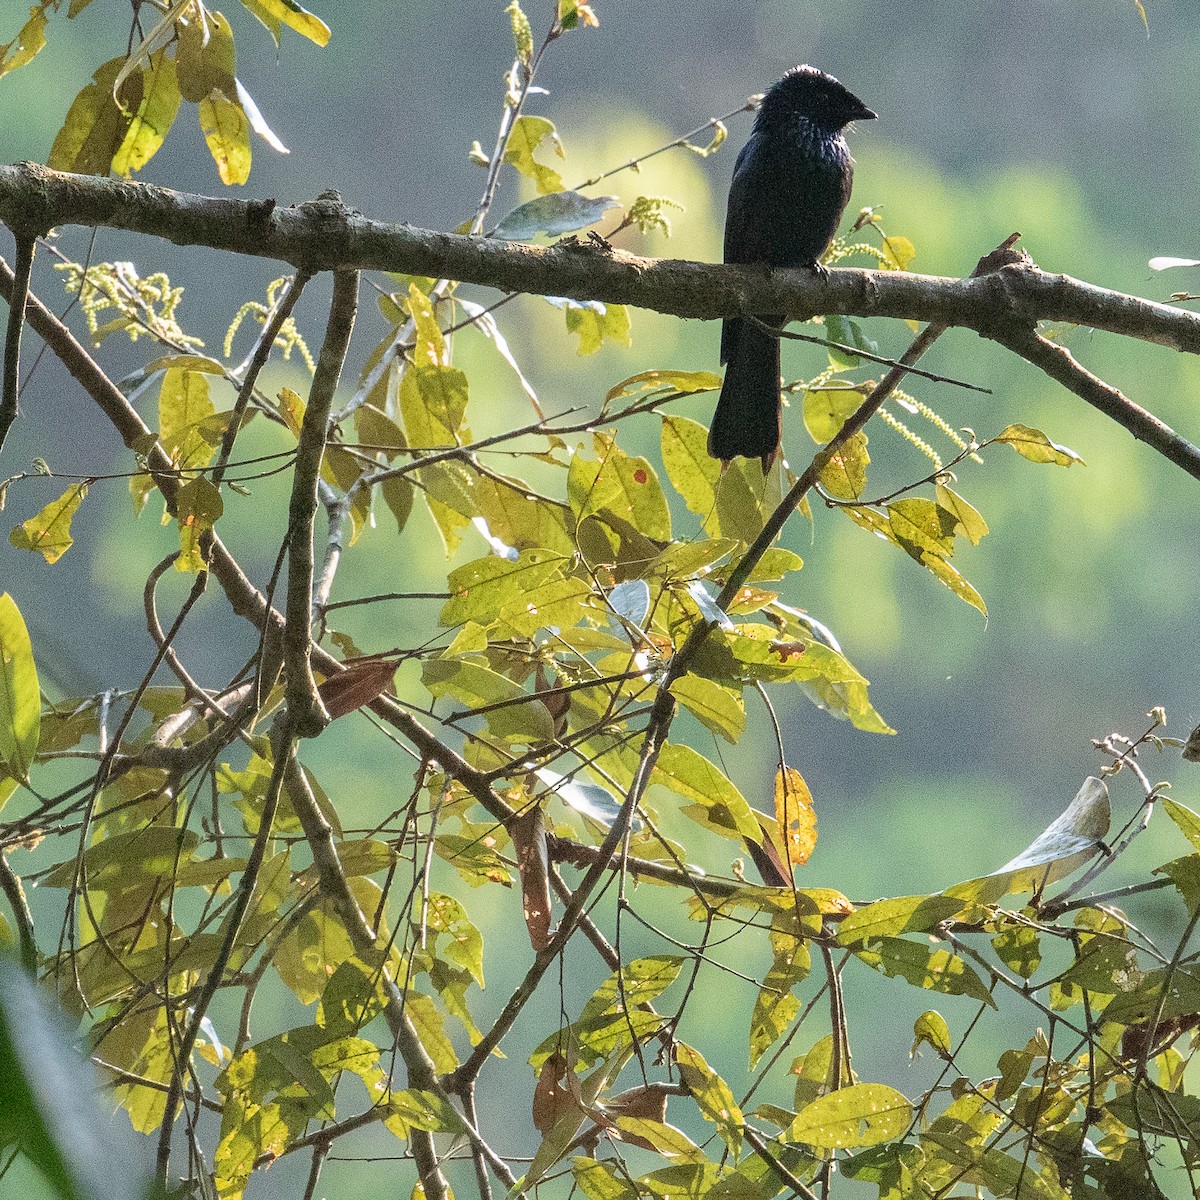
(805, 91)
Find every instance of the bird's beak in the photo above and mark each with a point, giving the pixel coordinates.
(865, 114)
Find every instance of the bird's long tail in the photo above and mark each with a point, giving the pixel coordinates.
(747, 420)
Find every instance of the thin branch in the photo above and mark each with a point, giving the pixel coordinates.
(282, 746)
(9, 406)
(1058, 362)
(308, 713)
(10, 882)
(262, 351)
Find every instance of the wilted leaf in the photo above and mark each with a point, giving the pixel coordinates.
(361, 682)
(528, 833)
(796, 816)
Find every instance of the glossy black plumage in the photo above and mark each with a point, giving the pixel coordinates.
(791, 184)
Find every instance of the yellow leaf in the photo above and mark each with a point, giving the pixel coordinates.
(796, 815)
(226, 129)
(49, 533)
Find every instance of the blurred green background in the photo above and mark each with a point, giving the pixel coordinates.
(1064, 122)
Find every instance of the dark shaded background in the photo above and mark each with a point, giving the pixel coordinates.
(1065, 122)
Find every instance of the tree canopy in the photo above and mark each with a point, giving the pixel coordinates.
(265, 869)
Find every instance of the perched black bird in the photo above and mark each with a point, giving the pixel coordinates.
(790, 187)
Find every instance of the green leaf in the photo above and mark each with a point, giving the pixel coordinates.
(469, 682)
(525, 139)
(49, 532)
(133, 859)
(481, 589)
(967, 520)
(1034, 445)
(20, 696)
(198, 508)
(862, 1115)
(595, 323)
(1061, 848)
(433, 403)
(1185, 818)
(1106, 965)
(712, 1094)
(1184, 873)
(673, 1144)
(925, 966)
(667, 382)
(205, 57)
(557, 213)
(47, 1105)
(96, 125)
(898, 252)
(1019, 948)
(431, 1030)
(775, 1007)
(598, 1181)
(903, 914)
(26, 45)
(931, 1027)
(154, 117)
(692, 472)
(714, 705)
(446, 918)
(625, 486)
(826, 410)
(844, 476)
(848, 332)
(716, 803)
(559, 604)
(185, 417)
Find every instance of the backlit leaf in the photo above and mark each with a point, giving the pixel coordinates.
(525, 139)
(20, 698)
(154, 117)
(716, 803)
(226, 129)
(289, 13)
(49, 532)
(1034, 445)
(198, 507)
(864, 1114)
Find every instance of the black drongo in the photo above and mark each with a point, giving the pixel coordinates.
(790, 186)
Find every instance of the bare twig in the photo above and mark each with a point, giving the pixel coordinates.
(308, 713)
(9, 401)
